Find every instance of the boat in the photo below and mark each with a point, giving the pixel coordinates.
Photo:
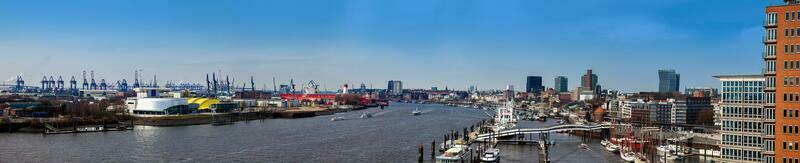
(542, 117)
(366, 115)
(604, 142)
(505, 118)
(454, 155)
(337, 118)
(491, 155)
(611, 147)
(628, 156)
(584, 146)
(416, 112)
(667, 155)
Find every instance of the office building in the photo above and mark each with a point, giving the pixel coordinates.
(745, 135)
(668, 81)
(534, 85)
(589, 81)
(395, 87)
(561, 84)
(688, 109)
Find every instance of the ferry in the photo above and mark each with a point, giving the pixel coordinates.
(491, 155)
(505, 118)
(454, 155)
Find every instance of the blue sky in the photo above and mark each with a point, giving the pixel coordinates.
(453, 43)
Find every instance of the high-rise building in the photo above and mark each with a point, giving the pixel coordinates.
(534, 84)
(561, 84)
(746, 135)
(395, 87)
(668, 81)
(589, 81)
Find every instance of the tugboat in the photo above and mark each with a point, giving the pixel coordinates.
(416, 112)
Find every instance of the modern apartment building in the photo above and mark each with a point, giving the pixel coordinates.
(782, 98)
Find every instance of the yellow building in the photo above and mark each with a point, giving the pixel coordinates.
(202, 103)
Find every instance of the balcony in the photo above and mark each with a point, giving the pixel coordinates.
(768, 56)
(768, 24)
(769, 41)
(767, 72)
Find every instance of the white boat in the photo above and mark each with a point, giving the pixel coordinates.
(584, 146)
(366, 115)
(604, 142)
(491, 155)
(416, 112)
(454, 155)
(611, 147)
(666, 155)
(337, 118)
(628, 156)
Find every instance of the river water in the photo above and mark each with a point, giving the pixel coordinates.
(392, 135)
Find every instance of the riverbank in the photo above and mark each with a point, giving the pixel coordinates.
(37, 125)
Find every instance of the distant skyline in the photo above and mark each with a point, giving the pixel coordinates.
(423, 43)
